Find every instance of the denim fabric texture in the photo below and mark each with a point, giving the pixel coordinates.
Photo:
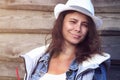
(42, 68)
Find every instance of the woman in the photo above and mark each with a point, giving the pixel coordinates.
(74, 52)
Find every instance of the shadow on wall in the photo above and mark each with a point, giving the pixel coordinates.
(111, 45)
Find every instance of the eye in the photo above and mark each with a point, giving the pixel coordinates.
(85, 24)
(73, 22)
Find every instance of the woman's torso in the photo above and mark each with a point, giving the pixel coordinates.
(75, 71)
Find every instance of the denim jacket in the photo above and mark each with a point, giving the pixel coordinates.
(36, 64)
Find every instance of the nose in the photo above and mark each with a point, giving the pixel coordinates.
(78, 28)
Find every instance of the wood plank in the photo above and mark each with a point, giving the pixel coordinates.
(21, 19)
(8, 69)
(8, 78)
(109, 6)
(12, 45)
(111, 21)
(26, 31)
(111, 45)
(109, 33)
(48, 5)
(11, 59)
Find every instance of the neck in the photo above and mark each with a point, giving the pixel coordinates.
(68, 51)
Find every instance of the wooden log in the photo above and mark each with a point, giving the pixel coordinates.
(48, 5)
(8, 69)
(12, 45)
(21, 19)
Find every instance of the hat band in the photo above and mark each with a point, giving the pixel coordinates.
(82, 10)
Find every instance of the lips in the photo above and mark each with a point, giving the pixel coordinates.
(76, 36)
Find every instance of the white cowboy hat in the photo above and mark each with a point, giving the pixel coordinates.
(82, 6)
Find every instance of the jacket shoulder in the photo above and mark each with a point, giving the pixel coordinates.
(31, 58)
(101, 72)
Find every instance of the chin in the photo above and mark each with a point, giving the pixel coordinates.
(75, 42)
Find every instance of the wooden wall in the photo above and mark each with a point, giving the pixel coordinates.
(24, 25)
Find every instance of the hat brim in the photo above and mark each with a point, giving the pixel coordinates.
(61, 8)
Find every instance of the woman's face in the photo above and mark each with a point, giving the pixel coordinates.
(75, 28)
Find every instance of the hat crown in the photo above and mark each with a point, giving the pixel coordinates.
(82, 6)
(86, 4)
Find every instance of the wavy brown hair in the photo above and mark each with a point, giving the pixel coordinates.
(90, 45)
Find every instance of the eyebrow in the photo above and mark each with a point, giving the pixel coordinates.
(74, 19)
(77, 20)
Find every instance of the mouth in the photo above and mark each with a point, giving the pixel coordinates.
(76, 36)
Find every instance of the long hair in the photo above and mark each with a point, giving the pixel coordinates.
(90, 45)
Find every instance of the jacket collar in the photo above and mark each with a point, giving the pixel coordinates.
(45, 57)
(93, 62)
(96, 59)
(74, 65)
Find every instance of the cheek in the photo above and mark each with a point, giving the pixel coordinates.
(66, 28)
(85, 31)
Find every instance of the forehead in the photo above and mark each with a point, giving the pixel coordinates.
(76, 15)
